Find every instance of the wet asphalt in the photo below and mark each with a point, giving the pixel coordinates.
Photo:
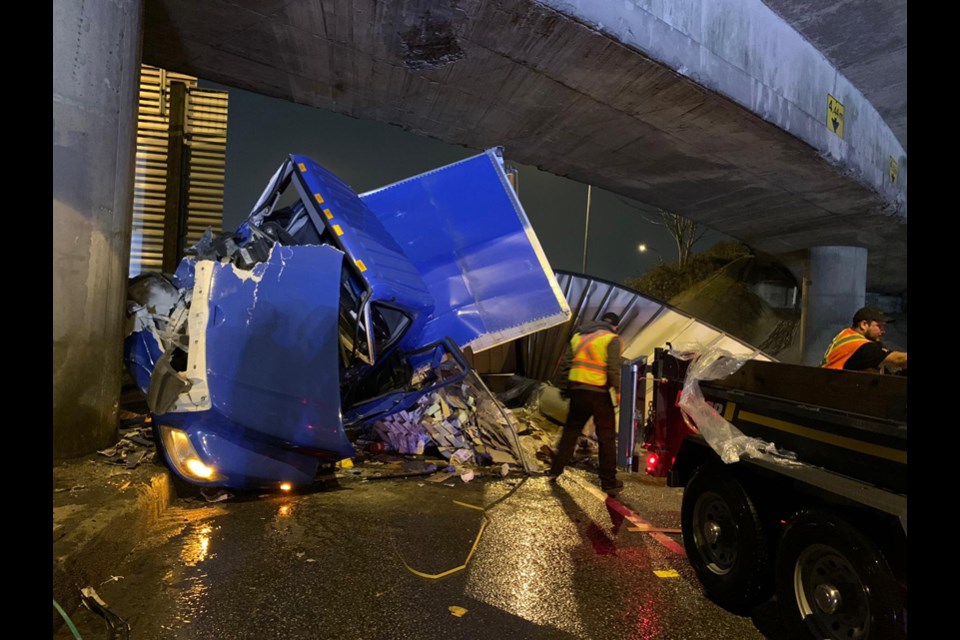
(362, 558)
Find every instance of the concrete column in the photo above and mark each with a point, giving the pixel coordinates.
(834, 288)
(96, 69)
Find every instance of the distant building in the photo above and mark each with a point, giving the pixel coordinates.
(181, 159)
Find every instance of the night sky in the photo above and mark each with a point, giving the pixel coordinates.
(366, 155)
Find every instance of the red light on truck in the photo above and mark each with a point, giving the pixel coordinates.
(651, 462)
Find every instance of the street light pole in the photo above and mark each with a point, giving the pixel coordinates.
(586, 231)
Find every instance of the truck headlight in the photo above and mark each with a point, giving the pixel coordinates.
(184, 457)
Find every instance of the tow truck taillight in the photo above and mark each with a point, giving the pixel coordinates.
(651, 462)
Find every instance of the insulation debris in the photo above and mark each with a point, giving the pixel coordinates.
(465, 422)
(469, 426)
(134, 447)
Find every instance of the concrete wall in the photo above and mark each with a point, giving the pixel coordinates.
(743, 50)
(834, 288)
(96, 59)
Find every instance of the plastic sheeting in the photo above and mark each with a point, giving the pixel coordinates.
(725, 439)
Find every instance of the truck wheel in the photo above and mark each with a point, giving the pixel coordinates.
(724, 540)
(836, 582)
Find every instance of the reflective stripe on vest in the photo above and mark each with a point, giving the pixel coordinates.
(590, 357)
(843, 346)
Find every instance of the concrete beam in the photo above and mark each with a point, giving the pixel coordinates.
(745, 51)
(716, 111)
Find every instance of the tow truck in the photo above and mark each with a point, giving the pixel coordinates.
(818, 517)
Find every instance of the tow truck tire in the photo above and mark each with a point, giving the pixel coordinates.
(724, 540)
(832, 580)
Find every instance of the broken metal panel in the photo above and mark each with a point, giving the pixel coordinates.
(432, 368)
(152, 301)
(141, 351)
(679, 329)
(271, 348)
(464, 230)
(196, 396)
(646, 323)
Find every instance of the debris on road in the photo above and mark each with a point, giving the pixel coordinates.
(443, 476)
(457, 611)
(135, 446)
(77, 487)
(670, 573)
(218, 495)
(469, 425)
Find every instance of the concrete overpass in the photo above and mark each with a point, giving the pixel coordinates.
(715, 110)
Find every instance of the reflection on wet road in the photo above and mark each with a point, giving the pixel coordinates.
(360, 560)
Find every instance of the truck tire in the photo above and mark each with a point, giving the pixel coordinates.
(835, 582)
(724, 540)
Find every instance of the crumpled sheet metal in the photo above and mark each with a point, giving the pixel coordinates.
(725, 439)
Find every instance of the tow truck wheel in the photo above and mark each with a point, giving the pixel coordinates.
(724, 540)
(834, 581)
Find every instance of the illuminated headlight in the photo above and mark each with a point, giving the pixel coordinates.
(184, 457)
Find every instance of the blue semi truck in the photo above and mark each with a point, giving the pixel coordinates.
(326, 310)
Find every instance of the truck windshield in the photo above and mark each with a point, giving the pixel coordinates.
(364, 325)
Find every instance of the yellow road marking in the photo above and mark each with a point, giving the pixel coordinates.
(830, 438)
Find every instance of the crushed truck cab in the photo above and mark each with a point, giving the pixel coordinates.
(327, 310)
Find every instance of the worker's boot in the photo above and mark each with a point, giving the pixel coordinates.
(612, 490)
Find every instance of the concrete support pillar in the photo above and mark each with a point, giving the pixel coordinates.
(96, 70)
(834, 287)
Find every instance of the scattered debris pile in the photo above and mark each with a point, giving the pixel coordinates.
(464, 421)
(136, 444)
(469, 425)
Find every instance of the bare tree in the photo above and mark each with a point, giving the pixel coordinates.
(685, 231)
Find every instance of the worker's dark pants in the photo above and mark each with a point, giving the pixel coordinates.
(583, 404)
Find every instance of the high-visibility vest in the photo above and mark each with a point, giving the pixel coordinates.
(589, 364)
(842, 347)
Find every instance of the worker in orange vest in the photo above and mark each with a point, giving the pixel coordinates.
(858, 347)
(590, 369)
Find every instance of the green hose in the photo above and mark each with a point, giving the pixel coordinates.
(66, 618)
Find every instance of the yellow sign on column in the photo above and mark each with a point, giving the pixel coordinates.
(893, 169)
(834, 115)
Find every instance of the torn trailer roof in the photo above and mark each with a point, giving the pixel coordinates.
(326, 310)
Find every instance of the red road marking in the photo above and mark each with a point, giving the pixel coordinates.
(632, 517)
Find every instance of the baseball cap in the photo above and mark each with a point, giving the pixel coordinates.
(611, 317)
(870, 314)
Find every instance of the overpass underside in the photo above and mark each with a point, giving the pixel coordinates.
(557, 92)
